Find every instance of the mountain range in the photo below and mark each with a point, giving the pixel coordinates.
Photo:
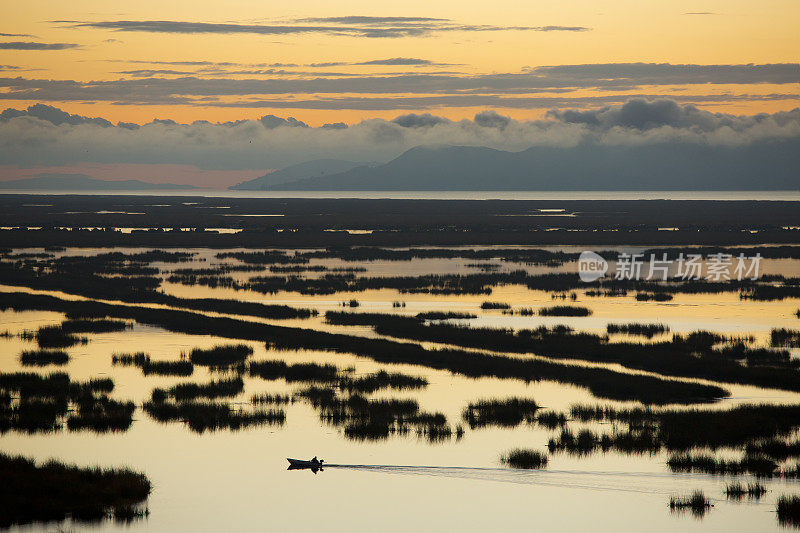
(762, 165)
(82, 182)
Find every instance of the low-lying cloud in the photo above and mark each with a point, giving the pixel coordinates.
(43, 135)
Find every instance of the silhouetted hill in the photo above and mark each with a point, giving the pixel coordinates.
(318, 168)
(763, 165)
(82, 182)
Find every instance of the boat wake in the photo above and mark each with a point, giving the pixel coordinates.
(633, 482)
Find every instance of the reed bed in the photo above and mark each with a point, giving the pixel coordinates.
(32, 492)
(271, 399)
(221, 355)
(299, 372)
(565, 310)
(82, 325)
(43, 357)
(55, 337)
(788, 509)
(601, 382)
(509, 412)
(635, 328)
(707, 464)
(737, 491)
(495, 306)
(697, 503)
(201, 416)
(47, 403)
(142, 360)
(212, 390)
(445, 315)
(524, 459)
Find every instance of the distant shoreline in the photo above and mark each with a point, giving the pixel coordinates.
(765, 195)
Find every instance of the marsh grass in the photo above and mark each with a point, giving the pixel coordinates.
(565, 310)
(221, 355)
(495, 306)
(697, 503)
(524, 459)
(271, 399)
(653, 297)
(43, 357)
(214, 389)
(635, 328)
(201, 416)
(381, 380)
(299, 372)
(445, 315)
(142, 360)
(32, 492)
(103, 325)
(788, 509)
(509, 412)
(708, 464)
(601, 382)
(737, 491)
(55, 337)
(46, 403)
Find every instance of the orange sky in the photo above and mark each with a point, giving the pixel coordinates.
(471, 39)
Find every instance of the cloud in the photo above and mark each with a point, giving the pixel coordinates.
(43, 135)
(20, 45)
(371, 27)
(397, 61)
(425, 120)
(491, 119)
(281, 88)
(16, 35)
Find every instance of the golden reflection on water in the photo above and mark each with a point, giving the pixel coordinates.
(229, 480)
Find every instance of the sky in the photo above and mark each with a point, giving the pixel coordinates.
(363, 64)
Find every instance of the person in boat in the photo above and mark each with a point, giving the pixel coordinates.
(316, 461)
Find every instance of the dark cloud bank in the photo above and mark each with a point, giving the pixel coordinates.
(658, 144)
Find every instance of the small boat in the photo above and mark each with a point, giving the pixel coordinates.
(301, 463)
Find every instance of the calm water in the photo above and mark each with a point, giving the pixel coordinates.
(237, 480)
(448, 195)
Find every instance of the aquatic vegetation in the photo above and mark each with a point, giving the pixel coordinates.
(211, 390)
(524, 459)
(551, 420)
(381, 380)
(653, 297)
(509, 412)
(495, 305)
(222, 355)
(634, 328)
(202, 416)
(46, 402)
(101, 415)
(55, 337)
(586, 442)
(776, 449)
(708, 464)
(445, 315)
(565, 310)
(271, 399)
(160, 368)
(785, 338)
(737, 491)
(697, 503)
(77, 325)
(51, 491)
(43, 357)
(601, 382)
(788, 509)
(310, 372)
(678, 357)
